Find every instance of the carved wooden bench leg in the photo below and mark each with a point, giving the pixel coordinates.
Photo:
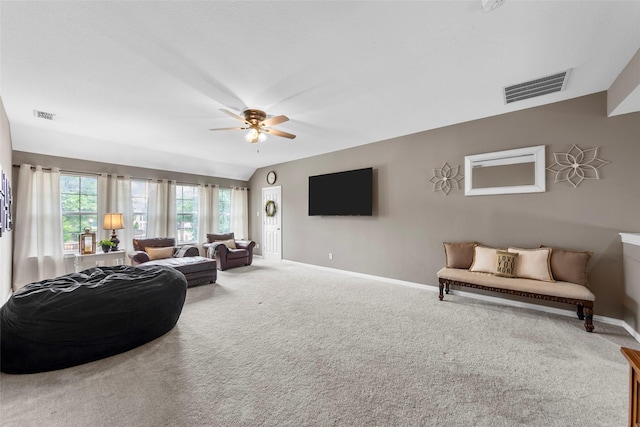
(588, 314)
(441, 295)
(446, 288)
(580, 312)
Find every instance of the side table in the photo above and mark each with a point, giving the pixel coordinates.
(84, 261)
(633, 357)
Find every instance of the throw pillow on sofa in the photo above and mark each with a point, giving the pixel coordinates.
(506, 264)
(484, 259)
(160, 253)
(570, 266)
(459, 255)
(533, 264)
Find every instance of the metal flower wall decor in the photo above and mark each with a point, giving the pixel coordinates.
(445, 178)
(576, 165)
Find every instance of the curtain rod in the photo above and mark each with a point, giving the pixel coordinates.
(131, 177)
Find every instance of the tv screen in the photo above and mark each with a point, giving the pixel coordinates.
(342, 193)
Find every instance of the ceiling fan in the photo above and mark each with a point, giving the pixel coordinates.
(258, 125)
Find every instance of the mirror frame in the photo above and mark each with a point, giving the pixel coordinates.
(507, 157)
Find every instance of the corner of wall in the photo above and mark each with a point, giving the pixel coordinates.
(6, 240)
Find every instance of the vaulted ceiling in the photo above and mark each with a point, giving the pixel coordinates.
(141, 83)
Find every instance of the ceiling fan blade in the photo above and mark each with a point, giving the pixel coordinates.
(275, 121)
(229, 129)
(279, 133)
(234, 115)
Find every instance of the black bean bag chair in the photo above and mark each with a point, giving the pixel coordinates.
(86, 316)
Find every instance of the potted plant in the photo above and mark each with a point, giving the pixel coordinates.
(106, 245)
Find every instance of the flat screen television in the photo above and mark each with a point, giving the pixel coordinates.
(342, 193)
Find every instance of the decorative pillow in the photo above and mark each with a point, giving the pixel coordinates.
(506, 264)
(230, 244)
(570, 266)
(459, 255)
(160, 253)
(533, 264)
(484, 259)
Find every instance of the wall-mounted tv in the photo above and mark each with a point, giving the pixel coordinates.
(342, 193)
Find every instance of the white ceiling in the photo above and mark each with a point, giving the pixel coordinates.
(140, 83)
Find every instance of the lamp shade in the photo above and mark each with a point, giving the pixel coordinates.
(112, 221)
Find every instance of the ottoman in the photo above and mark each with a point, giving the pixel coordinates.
(197, 269)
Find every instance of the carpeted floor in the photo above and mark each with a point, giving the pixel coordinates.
(287, 345)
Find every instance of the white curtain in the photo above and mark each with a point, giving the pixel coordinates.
(208, 213)
(114, 195)
(162, 215)
(239, 220)
(38, 251)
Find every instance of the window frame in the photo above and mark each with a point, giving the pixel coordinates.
(72, 245)
(135, 214)
(224, 216)
(194, 213)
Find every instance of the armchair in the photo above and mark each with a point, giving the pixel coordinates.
(229, 252)
(163, 251)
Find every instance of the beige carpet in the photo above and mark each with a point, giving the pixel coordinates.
(288, 345)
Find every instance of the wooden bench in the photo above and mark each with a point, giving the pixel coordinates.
(564, 292)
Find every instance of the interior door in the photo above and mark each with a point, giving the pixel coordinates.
(271, 225)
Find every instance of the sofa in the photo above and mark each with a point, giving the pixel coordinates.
(197, 269)
(229, 252)
(544, 273)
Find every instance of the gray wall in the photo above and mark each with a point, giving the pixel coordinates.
(77, 165)
(403, 239)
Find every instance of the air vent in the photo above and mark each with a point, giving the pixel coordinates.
(537, 87)
(43, 115)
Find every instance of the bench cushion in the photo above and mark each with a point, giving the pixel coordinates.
(557, 289)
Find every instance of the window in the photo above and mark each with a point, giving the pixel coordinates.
(187, 213)
(139, 204)
(224, 203)
(79, 202)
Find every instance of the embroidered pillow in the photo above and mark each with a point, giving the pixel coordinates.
(506, 264)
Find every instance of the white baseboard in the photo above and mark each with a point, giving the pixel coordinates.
(488, 298)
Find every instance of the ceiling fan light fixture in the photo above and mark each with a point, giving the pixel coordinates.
(254, 135)
(258, 124)
(251, 136)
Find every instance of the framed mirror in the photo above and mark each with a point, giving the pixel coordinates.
(505, 172)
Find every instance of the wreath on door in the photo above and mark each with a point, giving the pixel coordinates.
(270, 208)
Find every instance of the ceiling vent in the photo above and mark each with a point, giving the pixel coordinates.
(538, 87)
(43, 115)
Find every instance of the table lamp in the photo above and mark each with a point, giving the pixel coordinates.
(113, 221)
